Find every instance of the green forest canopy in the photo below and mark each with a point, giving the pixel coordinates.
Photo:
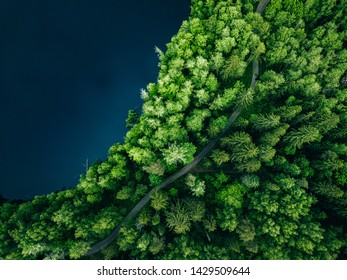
(273, 187)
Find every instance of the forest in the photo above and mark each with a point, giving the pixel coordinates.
(239, 151)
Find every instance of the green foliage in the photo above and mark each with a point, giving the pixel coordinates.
(177, 218)
(246, 230)
(143, 242)
(124, 193)
(196, 186)
(329, 190)
(305, 134)
(250, 181)
(232, 195)
(156, 168)
(159, 200)
(196, 209)
(176, 154)
(195, 121)
(210, 224)
(261, 122)
(127, 238)
(238, 139)
(245, 98)
(234, 67)
(133, 118)
(283, 191)
(216, 126)
(141, 155)
(157, 244)
(220, 157)
(78, 249)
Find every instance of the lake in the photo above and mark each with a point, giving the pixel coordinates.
(69, 72)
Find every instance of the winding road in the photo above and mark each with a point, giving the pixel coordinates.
(260, 8)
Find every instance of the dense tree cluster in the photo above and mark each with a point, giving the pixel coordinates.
(274, 187)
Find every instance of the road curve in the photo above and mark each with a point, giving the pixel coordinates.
(261, 6)
(97, 247)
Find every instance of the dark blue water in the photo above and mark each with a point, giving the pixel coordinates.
(69, 72)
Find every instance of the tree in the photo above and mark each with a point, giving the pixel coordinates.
(78, 249)
(127, 238)
(246, 230)
(133, 117)
(216, 125)
(157, 244)
(220, 157)
(139, 155)
(210, 224)
(196, 209)
(250, 181)
(232, 195)
(177, 218)
(196, 186)
(159, 200)
(304, 134)
(261, 122)
(234, 68)
(156, 168)
(195, 122)
(175, 154)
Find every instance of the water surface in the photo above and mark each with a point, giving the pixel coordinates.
(69, 72)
